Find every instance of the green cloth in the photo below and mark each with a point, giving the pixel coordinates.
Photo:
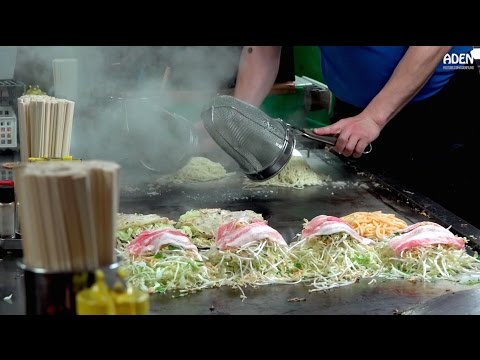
(290, 107)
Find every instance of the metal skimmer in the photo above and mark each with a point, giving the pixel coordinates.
(261, 145)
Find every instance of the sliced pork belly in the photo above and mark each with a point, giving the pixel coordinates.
(424, 234)
(329, 225)
(149, 242)
(235, 234)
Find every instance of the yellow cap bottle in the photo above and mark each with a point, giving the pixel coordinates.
(131, 300)
(97, 300)
(124, 301)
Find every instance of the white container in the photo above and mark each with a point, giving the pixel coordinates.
(65, 78)
(8, 59)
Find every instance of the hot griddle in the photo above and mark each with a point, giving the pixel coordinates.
(285, 209)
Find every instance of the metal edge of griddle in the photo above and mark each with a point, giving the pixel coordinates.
(432, 210)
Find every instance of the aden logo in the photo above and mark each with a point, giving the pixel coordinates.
(463, 61)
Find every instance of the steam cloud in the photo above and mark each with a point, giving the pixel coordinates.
(119, 113)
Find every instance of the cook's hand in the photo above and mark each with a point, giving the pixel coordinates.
(353, 134)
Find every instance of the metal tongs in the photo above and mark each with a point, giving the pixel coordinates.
(327, 140)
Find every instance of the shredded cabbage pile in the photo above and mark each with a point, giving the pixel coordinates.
(169, 269)
(129, 226)
(202, 225)
(427, 263)
(322, 262)
(255, 263)
(334, 260)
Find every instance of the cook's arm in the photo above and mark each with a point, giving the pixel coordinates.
(257, 72)
(410, 75)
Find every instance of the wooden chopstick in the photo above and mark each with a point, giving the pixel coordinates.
(68, 214)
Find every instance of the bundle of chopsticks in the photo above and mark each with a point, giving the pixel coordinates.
(45, 126)
(68, 214)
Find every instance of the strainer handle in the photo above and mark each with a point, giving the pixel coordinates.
(328, 140)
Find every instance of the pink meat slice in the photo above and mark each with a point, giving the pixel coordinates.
(418, 224)
(424, 234)
(149, 242)
(235, 234)
(328, 225)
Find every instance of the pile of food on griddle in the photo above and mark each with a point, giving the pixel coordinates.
(207, 248)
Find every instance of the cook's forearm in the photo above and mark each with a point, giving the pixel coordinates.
(257, 72)
(411, 74)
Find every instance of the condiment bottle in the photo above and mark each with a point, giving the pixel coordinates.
(129, 301)
(97, 299)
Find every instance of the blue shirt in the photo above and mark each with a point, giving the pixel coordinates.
(355, 74)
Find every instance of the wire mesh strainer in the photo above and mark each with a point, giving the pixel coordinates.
(261, 145)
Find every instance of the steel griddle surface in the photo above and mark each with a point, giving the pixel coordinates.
(383, 298)
(285, 209)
